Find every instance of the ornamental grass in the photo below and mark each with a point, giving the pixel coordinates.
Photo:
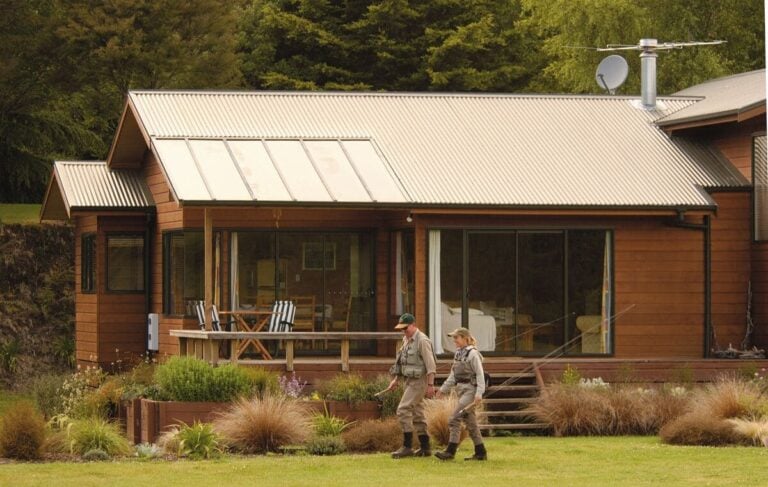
(22, 432)
(438, 413)
(262, 425)
(373, 436)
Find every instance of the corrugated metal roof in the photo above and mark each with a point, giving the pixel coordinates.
(456, 149)
(720, 97)
(93, 185)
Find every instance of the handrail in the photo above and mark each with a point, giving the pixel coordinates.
(205, 344)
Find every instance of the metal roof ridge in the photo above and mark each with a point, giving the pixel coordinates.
(404, 94)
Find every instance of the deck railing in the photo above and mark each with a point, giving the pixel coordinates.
(205, 344)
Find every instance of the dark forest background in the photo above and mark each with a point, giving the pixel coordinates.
(66, 65)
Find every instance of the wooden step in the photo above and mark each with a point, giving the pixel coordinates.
(512, 388)
(491, 412)
(497, 377)
(514, 426)
(509, 400)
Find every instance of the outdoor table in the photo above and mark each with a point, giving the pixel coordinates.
(262, 318)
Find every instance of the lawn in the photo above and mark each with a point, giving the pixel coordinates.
(28, 214)
(525, 461)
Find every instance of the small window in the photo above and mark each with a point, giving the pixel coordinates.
(760, 181)
(125, 263)
(88, 264)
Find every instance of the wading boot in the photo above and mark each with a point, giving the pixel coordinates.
(424, 450)
(448, 453)
(480, 453)
(406, 450)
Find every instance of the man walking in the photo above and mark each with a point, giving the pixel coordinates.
(416, 364)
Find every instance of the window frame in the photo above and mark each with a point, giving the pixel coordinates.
(88, 276)
(143, 259)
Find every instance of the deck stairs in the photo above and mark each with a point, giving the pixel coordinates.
(505, 402)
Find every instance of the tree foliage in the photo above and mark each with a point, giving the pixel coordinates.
(66, 65)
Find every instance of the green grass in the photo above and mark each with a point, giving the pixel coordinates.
(12, 213)
(527, 461)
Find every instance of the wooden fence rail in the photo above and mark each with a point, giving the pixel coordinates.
(205, 344)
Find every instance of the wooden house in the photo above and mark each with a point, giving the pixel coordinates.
(571, 227)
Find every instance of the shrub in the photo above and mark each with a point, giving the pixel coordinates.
(670, 404)
(191, 379)
(78, 399)
(755, 431)
(47, 391)
(572, 410)
(147, 451)
(198, 441)
(22, 432)
(9, 353)
(327, 425)
(390, 400)
(631, 411)
(95, 433)
(438, 413)
(261, 425)
(700, 428)
(292, 387)
(351, 388)
(375, 435)
(325, 445)
(263, 381)
(571, 375)
(96, 455)
(731, 397)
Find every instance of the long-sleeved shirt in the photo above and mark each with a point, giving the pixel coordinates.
(473, 358)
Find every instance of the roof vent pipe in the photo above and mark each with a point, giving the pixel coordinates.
(648, 73)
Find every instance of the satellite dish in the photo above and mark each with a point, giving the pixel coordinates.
(611, 73)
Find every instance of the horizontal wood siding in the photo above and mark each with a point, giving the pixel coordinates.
(122, 316)
(731, 268)
(659, 289)
(86, 304)
(735, 143)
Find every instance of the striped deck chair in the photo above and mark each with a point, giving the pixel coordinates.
(284, 313)
(200, 311)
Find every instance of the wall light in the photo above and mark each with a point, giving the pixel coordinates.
(409, 218)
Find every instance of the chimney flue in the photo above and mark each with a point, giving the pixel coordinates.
(648, 73)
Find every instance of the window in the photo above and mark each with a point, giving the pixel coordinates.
(760, 181)
(125, 263)
(88, 264)
(183, 281)
(522, 291)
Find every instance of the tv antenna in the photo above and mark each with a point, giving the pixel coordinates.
(612, 73)
(648, 48)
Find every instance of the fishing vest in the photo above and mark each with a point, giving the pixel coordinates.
(462, 370)
(410, 360)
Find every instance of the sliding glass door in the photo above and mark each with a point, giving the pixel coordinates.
(527, 292)
(327, 275)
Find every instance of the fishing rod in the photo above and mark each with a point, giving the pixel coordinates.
(548, 358)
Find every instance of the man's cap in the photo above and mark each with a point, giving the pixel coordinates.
(405, 320)
(460, 332)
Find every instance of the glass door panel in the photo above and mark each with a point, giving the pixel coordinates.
(540, 303)
(587, 284)
(491, 272)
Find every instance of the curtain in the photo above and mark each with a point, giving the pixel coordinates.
(606, 296)
(399, 272)
(435, 300)
(234, 280)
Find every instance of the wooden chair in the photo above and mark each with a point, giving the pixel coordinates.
(305, 313)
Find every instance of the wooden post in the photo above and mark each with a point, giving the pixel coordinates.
(182, 346)
(234, 347)
(208, 262)
(345, 355)
(289, 355)
(213, 352)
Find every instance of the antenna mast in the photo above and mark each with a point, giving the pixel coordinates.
(648, 62)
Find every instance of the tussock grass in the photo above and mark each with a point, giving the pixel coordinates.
(262, 425)
(438, 413)
(373, 436)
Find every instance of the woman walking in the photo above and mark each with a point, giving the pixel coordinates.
(468, 377)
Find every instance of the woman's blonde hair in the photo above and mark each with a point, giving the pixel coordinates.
(463, 332)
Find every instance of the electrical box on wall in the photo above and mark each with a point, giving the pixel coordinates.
(153, 329)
